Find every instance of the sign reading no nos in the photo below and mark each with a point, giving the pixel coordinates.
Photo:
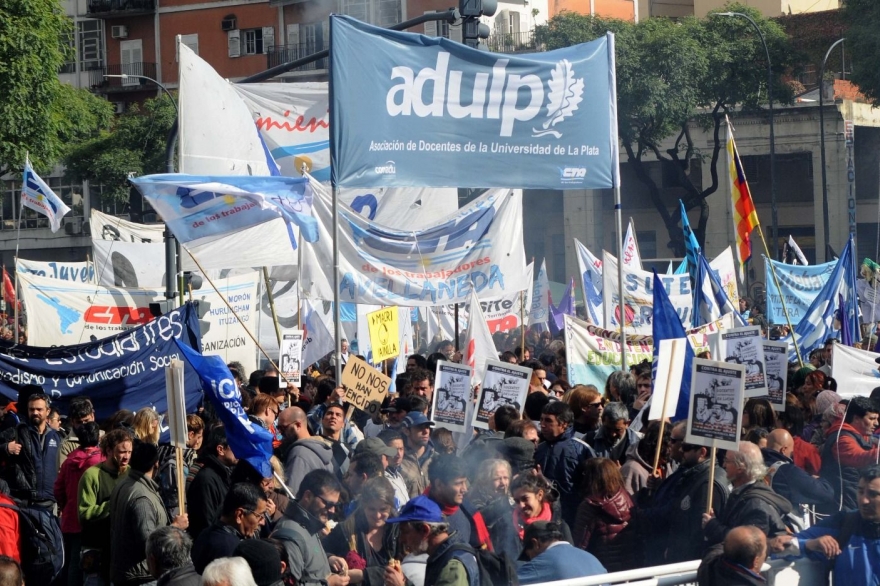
(365, 387)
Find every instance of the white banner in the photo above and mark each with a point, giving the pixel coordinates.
(592, 282)
(226, 337)
(639, 296)
(65, 313)
(106, 227)
(725, 267)
(129, 264)
(506, 313)
(631, 256)
(78, 272)
(855, 371)
(540, 309)
(480, 247)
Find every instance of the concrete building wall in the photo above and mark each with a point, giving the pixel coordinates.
(623, 9)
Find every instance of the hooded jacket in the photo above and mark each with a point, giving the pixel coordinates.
(844, 453)
(136, 510)
(635, 471)
(558, 459)
(751, 504)
(302, 456)
(600, 529)
(67, 485)
(301, 535)
(204, 497)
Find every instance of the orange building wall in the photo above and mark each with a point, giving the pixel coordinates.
(623, 9)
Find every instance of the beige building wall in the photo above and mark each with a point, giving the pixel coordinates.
(769, 8)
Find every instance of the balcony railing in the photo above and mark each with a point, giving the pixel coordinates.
(112, 8)
(280, 54)
(116, 84)
(514, 43)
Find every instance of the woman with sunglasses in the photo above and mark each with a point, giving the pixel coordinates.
(587, 405)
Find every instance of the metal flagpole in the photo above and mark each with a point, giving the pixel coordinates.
(618, 212)
(337, 311)
(272, 304)
(797, 350)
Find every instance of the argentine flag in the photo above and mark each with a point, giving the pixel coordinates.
(36, 195)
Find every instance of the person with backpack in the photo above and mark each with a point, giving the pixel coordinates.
(550, 557)
(848, 542)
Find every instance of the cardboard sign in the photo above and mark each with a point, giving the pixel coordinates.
(174, 389)
(715, 415)
(290, 358)
(384, 334)
(452, 392)
(670, 370)
(776, 365)
(745, 346)
(503, 384)
(365, 387)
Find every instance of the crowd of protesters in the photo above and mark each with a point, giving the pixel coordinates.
(580, 483)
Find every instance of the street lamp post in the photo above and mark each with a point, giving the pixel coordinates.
(773, 210)
(825, 223)
(171, 251)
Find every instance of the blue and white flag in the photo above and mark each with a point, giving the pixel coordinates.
(817, 325)
(591, 278)
(406, 108)
(710, 299)
(248, 440)
(38, 196)
(198, 208)
(691, 246)
(667, 326)
(539, 313)
(800, 285)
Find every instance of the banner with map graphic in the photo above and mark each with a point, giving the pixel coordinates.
(62, 313)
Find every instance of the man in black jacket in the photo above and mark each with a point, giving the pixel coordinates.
(30, 453)
(789, 481)
(242, 515)
(751, 502)
(205, 495)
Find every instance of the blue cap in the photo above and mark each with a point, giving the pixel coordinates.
(420, 508)
(415, 419)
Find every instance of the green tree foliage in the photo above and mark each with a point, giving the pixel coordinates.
(863, 44)
(134, 145)
(672, 74)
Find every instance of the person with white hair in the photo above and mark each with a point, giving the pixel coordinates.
(751, 501)
(228, 572)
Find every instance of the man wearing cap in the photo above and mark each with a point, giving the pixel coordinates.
(548, 557)
(393, 439)
(300, 452)
(394, 414)
(423, 530)
(419, 452)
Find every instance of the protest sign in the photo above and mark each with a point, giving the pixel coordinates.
(745, 346)
(503, 384)
(856, 371)
(290, 358)
(452, 393)
(125, 371)
(478, 247)
(174, 392)
(593, 353)
(365, 387)
(716, 401)
(546, 120)
(776, 370)
(68, 313)
(78, 272)
(384, 333)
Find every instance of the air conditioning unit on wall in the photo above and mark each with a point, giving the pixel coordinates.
(119, 31)
(228, 23)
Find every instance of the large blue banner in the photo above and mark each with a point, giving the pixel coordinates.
(411, 110)
(126, 371)
(800, 285)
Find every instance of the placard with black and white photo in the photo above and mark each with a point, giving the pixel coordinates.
(717, 395)
(745, 346)
(452, 391)
(776, 367)
(503, 384)
(290, 358)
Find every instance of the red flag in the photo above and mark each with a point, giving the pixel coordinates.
(8, 289)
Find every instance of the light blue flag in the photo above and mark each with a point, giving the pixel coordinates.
(406, 108)
(691, 246)
(800, 285)
(710, 299)
(38, 196)
(591, 276)
(682, 268)
(248, 440)
(200, 206)
(839, 292)
(667, 326)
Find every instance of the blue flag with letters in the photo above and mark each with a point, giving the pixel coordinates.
(667, 326)
(247, 439)
(411, 110)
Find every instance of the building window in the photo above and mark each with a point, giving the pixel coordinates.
(91, 44)
(253, 41)
(382, 13)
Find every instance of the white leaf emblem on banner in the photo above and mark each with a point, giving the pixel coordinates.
(566, 93)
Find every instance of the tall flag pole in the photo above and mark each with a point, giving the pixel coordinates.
(745, 219)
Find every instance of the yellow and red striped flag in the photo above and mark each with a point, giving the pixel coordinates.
(745, 217)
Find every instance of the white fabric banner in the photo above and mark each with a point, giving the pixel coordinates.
(725, 267)
(591, 282)
(855, 371)
(539, 312)
(78, 272)
(226, 337)
(639, 296)
(479, 247)
(632, 258)
(479, 345)
(129, 264)
(64, 313)
(317, 336)
(506, 313)
(106, 227)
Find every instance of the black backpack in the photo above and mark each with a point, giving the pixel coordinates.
(496, 569)
(42, 547)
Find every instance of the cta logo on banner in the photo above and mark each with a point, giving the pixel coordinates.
(78, 272)
(406, 108)
(800, 287)
(65, 313)
(479, 247)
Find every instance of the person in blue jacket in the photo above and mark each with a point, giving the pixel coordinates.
(547, 557)
(849, 541)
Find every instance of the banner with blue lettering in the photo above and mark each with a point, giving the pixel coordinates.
(126, 371)
(412, 110)
(800, 286)
(78, 272)
(479, 247)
